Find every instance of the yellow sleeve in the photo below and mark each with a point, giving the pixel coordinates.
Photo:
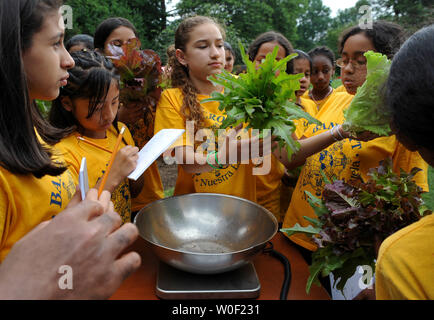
(169, 116)
(71, 158)
(407, 160)
(341, 88)
(302, 124)
(405, 263)
(5, 215)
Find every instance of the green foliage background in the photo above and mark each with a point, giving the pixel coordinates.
(306, 23)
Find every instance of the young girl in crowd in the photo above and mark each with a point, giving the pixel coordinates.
(229, 57)
(35, 186)
(323, 69)
(87, 108)
(302, 63)
(138, 118)
(269, 187)
(79, 42)
(327, 149)
(405, 260)
(199, 45)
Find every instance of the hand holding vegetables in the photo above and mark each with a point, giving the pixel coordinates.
(262, 98)
(367, 111)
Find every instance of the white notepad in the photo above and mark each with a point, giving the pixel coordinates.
(83, 179)
(153, 149)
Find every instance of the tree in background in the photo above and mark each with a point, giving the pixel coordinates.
(312, 25)
(411, 14)
(306, 23)
(246, 19)
(148, 16)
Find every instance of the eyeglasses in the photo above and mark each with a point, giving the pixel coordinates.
(134, 42)
(356, 64)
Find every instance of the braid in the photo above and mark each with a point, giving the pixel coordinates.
(191, 108)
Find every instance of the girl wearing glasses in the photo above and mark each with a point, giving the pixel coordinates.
(327, 149)
(42, 224)
(139, 119)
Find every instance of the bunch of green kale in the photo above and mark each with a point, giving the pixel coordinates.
(263, 98)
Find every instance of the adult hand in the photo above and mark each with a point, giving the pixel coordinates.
(85, 237)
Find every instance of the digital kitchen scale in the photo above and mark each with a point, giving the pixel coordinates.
(241, 283)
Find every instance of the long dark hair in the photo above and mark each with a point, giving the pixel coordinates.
(191, 108)
(21, 151)
(89, 79)
(387, 37)
(106, 27)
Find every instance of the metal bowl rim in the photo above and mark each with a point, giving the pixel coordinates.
(273, 218)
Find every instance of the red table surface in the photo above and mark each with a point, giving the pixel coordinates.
(141, 285)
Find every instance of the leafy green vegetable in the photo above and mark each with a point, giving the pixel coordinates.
(262, 99)
(353, 217)
(367, 111)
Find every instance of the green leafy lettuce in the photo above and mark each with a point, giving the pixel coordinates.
(354, 217)
(367, 111)
(262, 98)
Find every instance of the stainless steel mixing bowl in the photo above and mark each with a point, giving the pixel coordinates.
(206, 233)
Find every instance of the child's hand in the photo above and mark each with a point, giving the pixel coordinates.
(124, 163)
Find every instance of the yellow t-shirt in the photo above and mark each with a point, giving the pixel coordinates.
(26, 201)
(236, 179)
(346, 159)
(152, 185)
(97, 161)
(405, 264)
(319, 103)
(302, 124)
(341, 88)
(268, 187)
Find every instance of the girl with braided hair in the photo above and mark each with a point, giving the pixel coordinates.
(87, 110)
(200, 53)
